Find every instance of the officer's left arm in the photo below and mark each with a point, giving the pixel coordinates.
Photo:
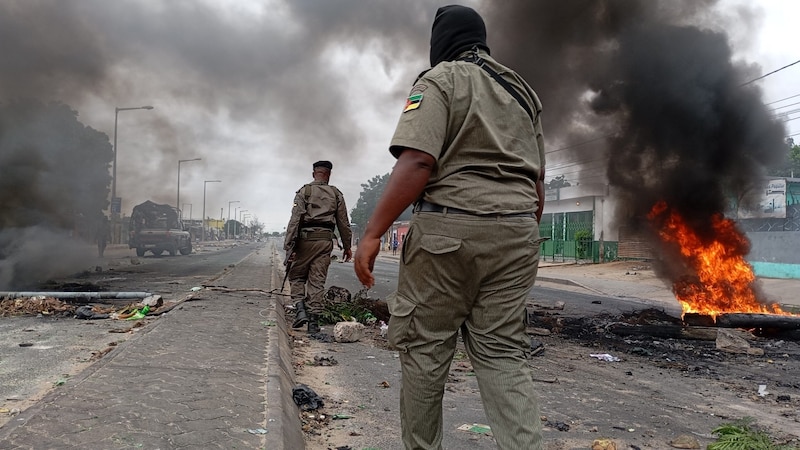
(343, 225)
(407, 181)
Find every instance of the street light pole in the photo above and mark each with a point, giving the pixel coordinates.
(116, 206)
(204, 206)
(235, 216)
(228, 224)
(178, 202)
(240, 219)
(247, 216)
(116, 150)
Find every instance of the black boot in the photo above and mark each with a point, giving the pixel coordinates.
(300, 316)
(313, 325)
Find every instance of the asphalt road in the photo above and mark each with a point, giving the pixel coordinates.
(581, 303)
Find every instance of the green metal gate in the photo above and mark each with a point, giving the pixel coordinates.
(571, 237)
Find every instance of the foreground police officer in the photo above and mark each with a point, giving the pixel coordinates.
(318, 209)
(470, 153)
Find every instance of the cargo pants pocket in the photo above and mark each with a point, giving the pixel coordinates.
(439, 245)
(401, 324)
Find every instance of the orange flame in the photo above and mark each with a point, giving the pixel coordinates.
(722, 280)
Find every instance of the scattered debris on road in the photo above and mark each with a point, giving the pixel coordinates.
(52, 306)
(306, 398)
(47, 306)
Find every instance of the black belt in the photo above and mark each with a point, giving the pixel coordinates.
(423, 206)
(316, 235)
(328, 226)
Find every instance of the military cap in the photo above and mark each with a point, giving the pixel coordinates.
(326, 164)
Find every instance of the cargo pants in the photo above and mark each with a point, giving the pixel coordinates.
(309, 272)
(473, 274)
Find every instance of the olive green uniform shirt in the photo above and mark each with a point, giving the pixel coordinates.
(483, 165)
(318, 206)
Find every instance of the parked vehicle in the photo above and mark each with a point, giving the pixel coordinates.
(158, 229)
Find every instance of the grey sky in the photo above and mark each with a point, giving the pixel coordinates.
(260, 90)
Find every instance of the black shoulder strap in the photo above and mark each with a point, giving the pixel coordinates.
(421, 74)
(474, 58)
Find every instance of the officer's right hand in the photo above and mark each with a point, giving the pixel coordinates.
(364, 261)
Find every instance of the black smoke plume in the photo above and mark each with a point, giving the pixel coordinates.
(53, 187)
(657, 81)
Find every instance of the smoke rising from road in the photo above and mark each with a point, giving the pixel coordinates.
(659, 81)
(53, 174)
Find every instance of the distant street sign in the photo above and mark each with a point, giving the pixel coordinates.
(116, 205)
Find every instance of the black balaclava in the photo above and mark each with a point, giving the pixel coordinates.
(456, 29)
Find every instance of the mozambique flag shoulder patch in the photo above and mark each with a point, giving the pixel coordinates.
(413, 102)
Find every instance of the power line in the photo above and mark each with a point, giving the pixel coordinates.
(787, 98)
(578, 167)
(786, 113)
(785, 106)
(575, 163)
(578, 144)
(768, 74)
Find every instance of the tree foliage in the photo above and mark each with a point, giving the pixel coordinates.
(54, 170)
(791, 164)
(557, 182)
(371, 192)
(54, 181)
(256, 226)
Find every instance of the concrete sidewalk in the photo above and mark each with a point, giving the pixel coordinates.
(215, 372)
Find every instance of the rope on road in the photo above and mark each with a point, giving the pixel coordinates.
(260, 291)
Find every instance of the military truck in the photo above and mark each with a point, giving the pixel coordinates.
(158, 229)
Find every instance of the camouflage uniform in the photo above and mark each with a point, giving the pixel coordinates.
(318, 209)
(471, 254)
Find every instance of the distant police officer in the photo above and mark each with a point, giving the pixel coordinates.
(470, 153)
(102, 235)
(319, 209)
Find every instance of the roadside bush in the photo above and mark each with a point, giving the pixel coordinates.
(583, 246)
(341, 306)
(741, 436)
